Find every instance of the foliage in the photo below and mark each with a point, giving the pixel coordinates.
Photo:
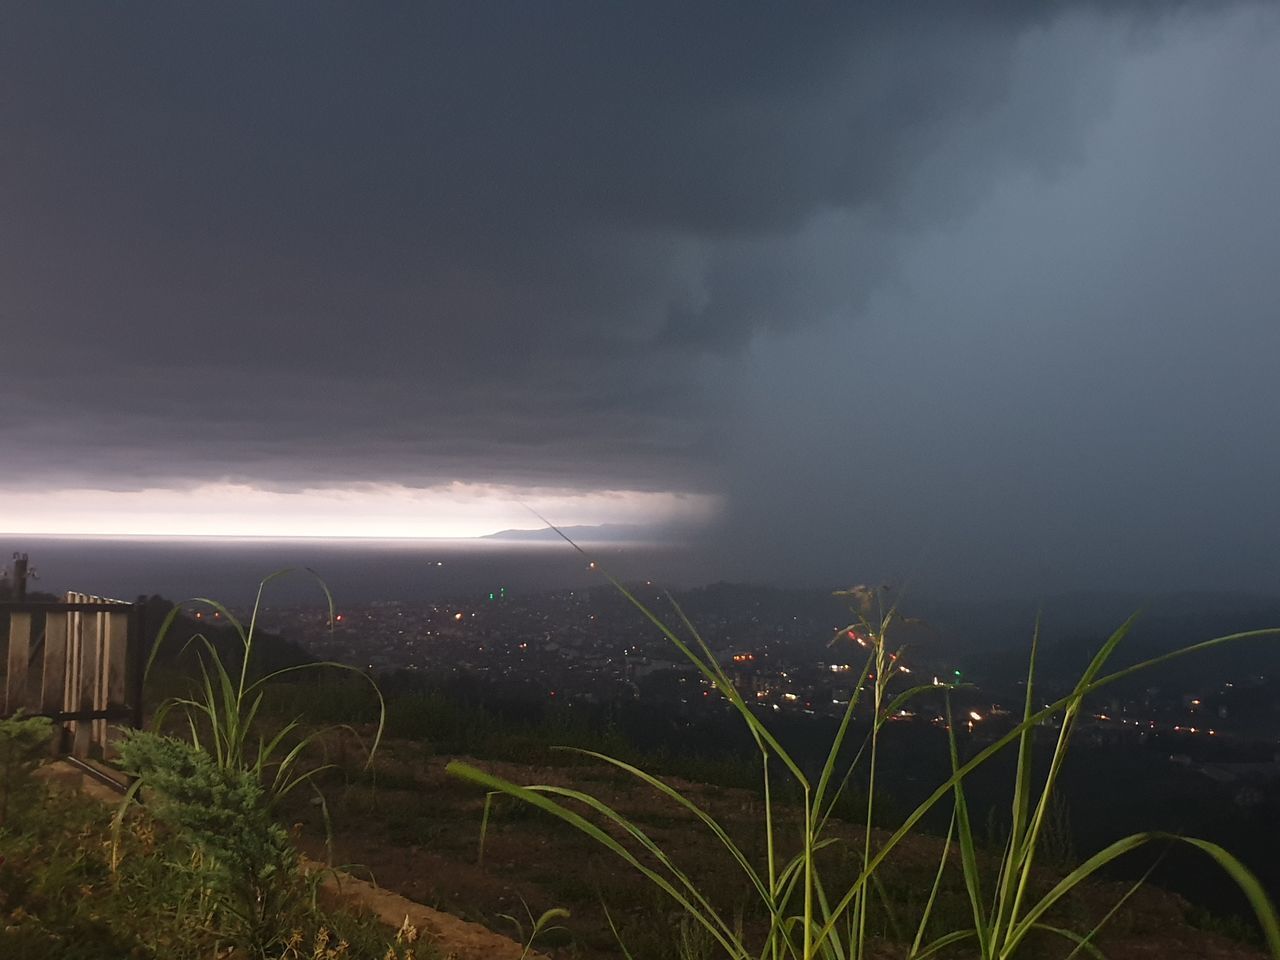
(24, 742)
(222, 710)
(60, 897)
(808, 918)
(485, 723)
(243, 859)
(545, 923)
(220, 791)
(1003, 924)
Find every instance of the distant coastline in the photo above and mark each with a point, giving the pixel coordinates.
(583, 533)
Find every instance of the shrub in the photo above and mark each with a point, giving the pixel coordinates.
(60, 898)
(242, 859)
(219, 791)
(24, 741)
(223, 708)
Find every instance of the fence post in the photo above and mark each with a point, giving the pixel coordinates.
(87, 694)
(71, 684)
(54, 680)
(15, 686)
(113, 673)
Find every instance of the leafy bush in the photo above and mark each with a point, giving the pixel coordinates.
(61, 898)
(219, 791)
(243, 859)
(223, 708)
(24, 742)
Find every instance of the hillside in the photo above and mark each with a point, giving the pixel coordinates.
(417, 831)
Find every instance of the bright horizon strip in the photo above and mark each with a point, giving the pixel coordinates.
(371, 511)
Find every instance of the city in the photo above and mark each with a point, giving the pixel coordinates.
(593, 647)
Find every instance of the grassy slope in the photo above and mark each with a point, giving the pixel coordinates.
(417, 831)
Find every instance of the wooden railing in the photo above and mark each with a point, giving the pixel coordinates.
(78, 662)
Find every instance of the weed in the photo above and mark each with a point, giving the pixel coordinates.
(538, 927)
(220, 790)
(60, 897)
(222, 709)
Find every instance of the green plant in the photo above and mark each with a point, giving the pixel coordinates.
(244, 861)
(59, 897)
(1001, 926)
(546, 923)
(1057, 843)
(806, 917)
(24, 741)
(220, 790)
(222, 710)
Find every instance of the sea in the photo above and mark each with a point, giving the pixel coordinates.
(355, 571)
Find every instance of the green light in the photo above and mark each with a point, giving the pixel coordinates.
(490, 594)
(957, 673)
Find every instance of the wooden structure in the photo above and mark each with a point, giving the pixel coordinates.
(78, 662)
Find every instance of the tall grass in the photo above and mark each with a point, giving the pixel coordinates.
(225, 705)
(219, 789)
(812, 917)
(62, 900)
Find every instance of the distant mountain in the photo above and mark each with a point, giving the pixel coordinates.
(603, 532)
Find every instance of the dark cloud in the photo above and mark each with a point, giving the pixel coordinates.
(1073, 385)
(531, 243)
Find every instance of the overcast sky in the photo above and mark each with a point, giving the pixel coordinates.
(983, 292)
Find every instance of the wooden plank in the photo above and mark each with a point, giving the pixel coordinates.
(53, 688)
(15, 687)
(87, 691)
(99, 727)
(54, 681)
(75, 644)
(115, 667)
(39, 606)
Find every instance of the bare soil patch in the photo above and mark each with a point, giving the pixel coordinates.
(415, 830)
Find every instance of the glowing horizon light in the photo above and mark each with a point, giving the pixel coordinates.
(371, 511)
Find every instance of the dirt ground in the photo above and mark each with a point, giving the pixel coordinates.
(415, 830)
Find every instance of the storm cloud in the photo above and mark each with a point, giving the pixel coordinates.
(993, 275)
